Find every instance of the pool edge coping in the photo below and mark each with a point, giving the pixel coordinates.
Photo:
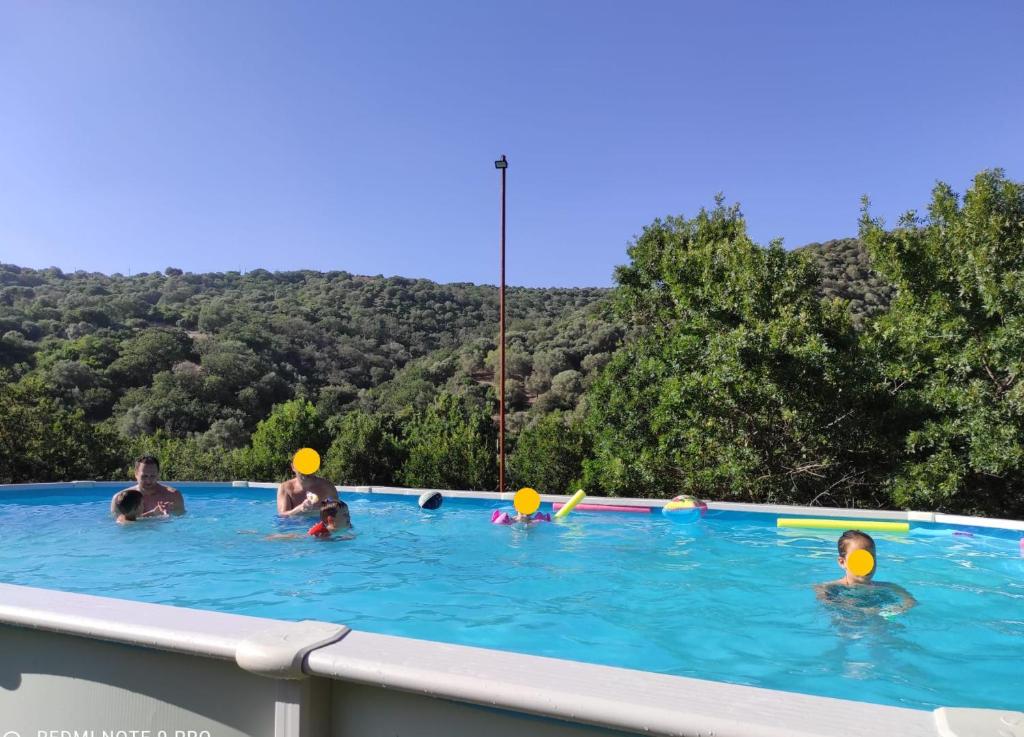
(614, 501)
(749, 507)
(603, 696)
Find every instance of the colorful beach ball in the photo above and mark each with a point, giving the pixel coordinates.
(684, 509)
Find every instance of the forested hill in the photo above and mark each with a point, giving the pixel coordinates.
(715, 367)
(185, 353)
(229, 346)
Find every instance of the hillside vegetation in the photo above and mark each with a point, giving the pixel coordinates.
(184, 352)
(878, 371)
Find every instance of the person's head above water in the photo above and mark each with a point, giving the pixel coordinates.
(849, 543)
(335, 514)
(128, 505)
(147, 471)
(296, 473)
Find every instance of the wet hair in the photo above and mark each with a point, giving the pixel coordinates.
(128, 503)
(330, 508)
(849, 536)
(146, 460)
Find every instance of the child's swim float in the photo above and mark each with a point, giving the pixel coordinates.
(685, 509)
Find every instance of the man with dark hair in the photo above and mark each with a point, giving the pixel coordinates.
(156, 498)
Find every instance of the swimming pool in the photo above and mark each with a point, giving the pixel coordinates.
(730, 600)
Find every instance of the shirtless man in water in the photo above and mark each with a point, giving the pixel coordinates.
(156, 498)
(292, 495)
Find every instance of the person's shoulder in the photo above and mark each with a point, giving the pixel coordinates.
(170, 490)
(891, 586)
(284, 486)
(323, 483)
(828, 587)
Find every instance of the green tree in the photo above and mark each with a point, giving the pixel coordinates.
(737, 382)
(189, 459)
(176, 404)
(290, 426)
(366, 451)
(147, 353)
(951, 347)
(14, 348)
(451, 446)
(42, 441)
(549, 455)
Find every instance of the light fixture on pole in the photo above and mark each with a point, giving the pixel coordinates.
(502, 164)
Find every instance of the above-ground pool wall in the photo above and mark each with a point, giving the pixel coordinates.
(50, 681)
(56, 683)
(126, 669)
(84, 666)
(379, 712)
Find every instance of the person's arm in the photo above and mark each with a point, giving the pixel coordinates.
(160, 510)
(177, 506)
(113, 508)
(282, 504)
(907, 601)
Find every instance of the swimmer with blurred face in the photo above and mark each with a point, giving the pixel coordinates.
(854, 590)
(157, 499)
(293, 498)
(334, 517)
(127, 507)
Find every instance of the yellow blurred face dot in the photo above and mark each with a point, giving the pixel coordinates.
(526, 501)
(306, 461)
(860, 562)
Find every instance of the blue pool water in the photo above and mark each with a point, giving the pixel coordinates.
(729, 600)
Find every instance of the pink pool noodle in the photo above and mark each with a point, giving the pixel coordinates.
(604, 508)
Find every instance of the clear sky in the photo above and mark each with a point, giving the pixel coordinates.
(220, 135)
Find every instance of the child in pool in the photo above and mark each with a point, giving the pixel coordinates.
(860, 592)
(127, 507)
(499, 517)
(334, 517)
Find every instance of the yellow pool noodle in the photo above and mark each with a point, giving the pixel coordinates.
(578, 497)
(810, 523)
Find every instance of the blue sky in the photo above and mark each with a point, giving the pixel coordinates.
(361, 136)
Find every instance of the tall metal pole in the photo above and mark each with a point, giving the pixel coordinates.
(503, 165)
